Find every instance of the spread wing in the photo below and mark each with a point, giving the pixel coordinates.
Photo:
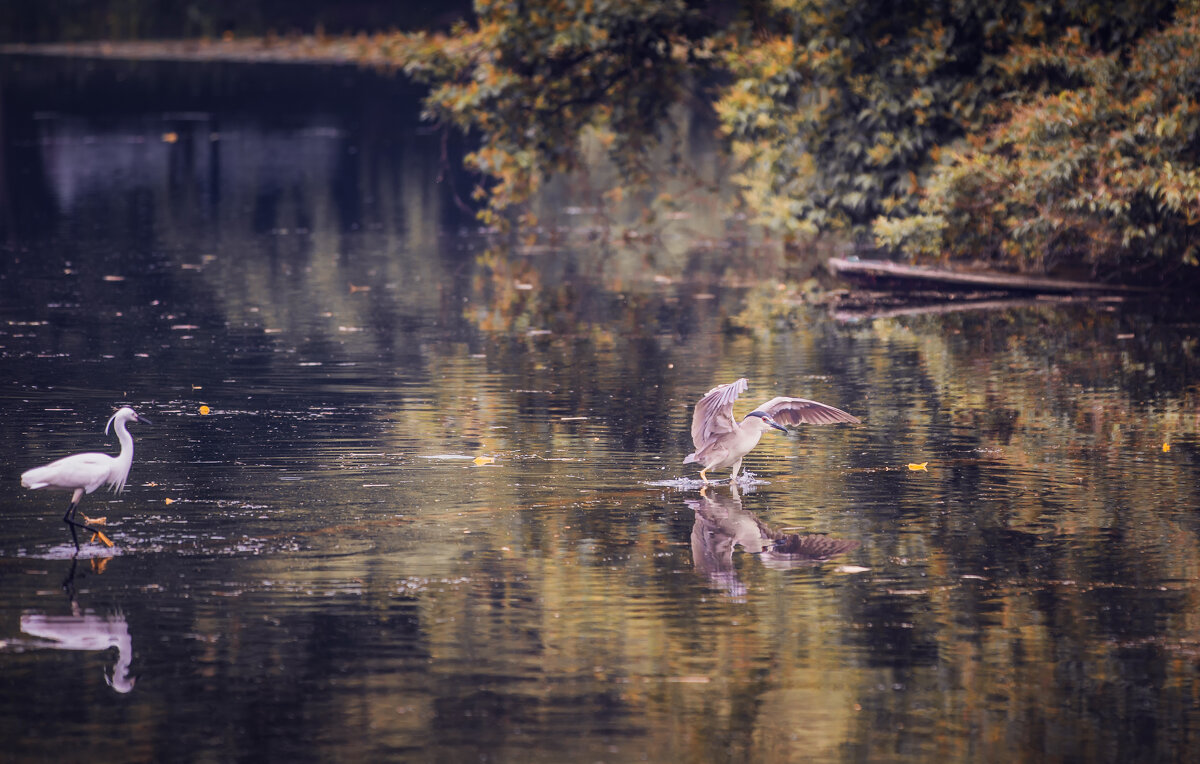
(813, 547)
(713, 416)
(794, 411)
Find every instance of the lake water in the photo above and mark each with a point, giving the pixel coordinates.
(436, 509)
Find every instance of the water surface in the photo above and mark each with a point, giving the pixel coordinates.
(436, 509)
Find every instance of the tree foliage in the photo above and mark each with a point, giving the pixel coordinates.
(1034, 134)
(1092, 163)
(531, 76)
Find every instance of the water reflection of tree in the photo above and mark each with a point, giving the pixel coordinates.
(1053, 531)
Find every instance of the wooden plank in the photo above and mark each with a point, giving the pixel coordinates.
(882, 273)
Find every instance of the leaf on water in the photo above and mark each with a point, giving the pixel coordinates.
(168, 501)
(850, 569)
(919, 467)
(114, 278)
(204, 410)
(1166, 447)
(482, 460)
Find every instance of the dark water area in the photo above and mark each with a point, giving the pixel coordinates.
(403, 499)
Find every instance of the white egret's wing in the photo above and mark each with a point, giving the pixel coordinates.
(713, 416)
(794, 411)
(86, 471)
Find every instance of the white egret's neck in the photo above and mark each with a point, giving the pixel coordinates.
(122, 462)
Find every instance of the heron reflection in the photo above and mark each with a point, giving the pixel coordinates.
(88, 632)
(722, 524)
(84, 630)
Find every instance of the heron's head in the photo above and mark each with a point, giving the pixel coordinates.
(125, 414)
(765, 421)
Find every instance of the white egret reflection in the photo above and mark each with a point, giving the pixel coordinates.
(87, 632)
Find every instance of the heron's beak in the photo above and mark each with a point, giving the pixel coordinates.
(777, 426)
(143, 420)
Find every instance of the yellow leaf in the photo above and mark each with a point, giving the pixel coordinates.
(168, 501)
(919, 467)
(1166, 447)
(482, 460)
(204, 410)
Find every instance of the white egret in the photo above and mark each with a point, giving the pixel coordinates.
(84, 473)
(721, 441)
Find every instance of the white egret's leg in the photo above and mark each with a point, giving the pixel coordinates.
(69, 519)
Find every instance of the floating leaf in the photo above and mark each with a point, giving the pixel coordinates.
(204, 410)
(919, 467)
(482, 460)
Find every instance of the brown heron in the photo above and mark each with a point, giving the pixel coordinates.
(721, 441)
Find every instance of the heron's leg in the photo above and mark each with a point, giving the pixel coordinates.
(71, 523)
(736, 469)
(69, 519)
(703, 476)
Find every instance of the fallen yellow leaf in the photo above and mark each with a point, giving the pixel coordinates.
(919, 467)
(205, 409)
(168, 501)
(481, 460)
(1166, 447)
